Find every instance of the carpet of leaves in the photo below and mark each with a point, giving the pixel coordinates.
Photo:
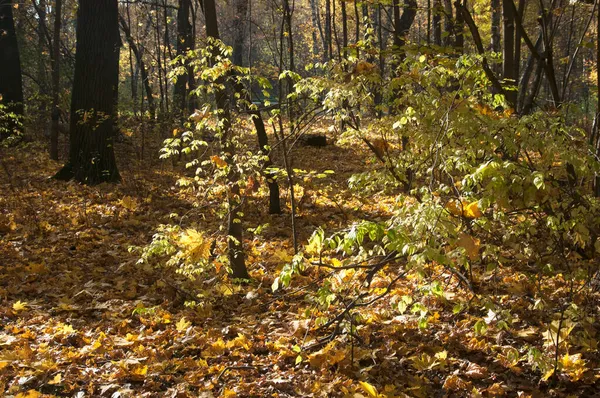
(79, 317)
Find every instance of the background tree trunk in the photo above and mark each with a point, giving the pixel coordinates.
(95, 87)
(185, 42)
(235, 247)
(141, 64)
(11, 84)
(508, 54)
(54, 127)
(496, 43)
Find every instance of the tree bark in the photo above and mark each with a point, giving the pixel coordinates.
(11, 84)
(185, 42)
(95, 87)
(140, 61)
(437, 22)
(54, 127)
(316, 21)
(235, 246)
(328, 38)
(466, 15)
(508, 53)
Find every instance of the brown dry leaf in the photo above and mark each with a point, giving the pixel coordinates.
(454, 383)
(470, 244)
(496, 390)
(474, 371)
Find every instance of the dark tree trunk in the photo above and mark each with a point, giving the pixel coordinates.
(328, 39)
(508, 53)
(257, 120)
(95, 86)
(344, 30)
(518, 42)
(437, 22)
(241, 7)
(496, 44)
(43, 44)
(235, 246)
(459, 28)
(11, 85)
(54, 127)
(527, 71)
(403, 23)
(185, 42)
(448, 23)
(141, 64)
(316, 21)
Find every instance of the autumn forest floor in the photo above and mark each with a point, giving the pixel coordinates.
(79, 316)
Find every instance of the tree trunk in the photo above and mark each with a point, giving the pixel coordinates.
(448, 23)
(11, 84)
(508, 53)
(241, 7)
(437, 22)
(527, 71)
(328, 40)
(344, 30)
(459, 28)
(235, 246)
(54, 127)
(41, 64)
(518, 42)
(316, 22)
(403, 23)
(184, 44)
(140, 61)
(95, 87)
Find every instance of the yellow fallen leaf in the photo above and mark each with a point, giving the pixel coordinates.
(182, 325)
(129, 203)
(369, 389)
(140, 371)
(56, 379)
(29, 394)
(227, 393)
(19, 306)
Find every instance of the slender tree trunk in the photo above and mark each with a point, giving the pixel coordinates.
(41, 63)
(316, 27)
(54, 128)
(142, 66)
(448, 23)
(496, 43)
(518, 42)
(344, 30)
(466, 15)
(328, 37)
(161, 87)
(527, 71)
(428, 22)
(437, 22)
(240, 24)
(508, 66)
(11, 84)
(235, 245)
(459, 28)
(93, 114)
(184, 44)
(597, 143)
